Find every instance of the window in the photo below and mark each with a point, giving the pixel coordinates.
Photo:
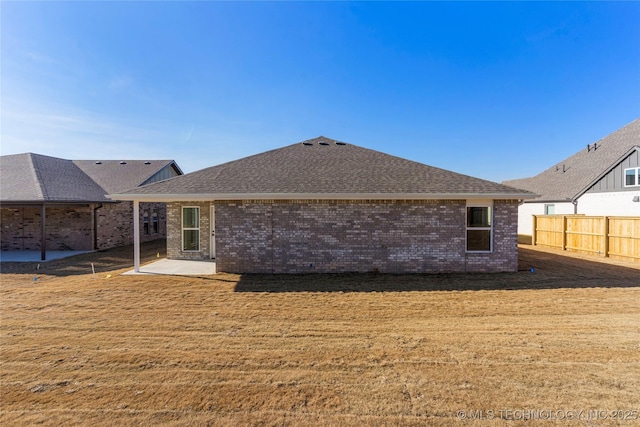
(145, 223)
(190, 229)
(549, 209)
(479, 229)
(632, 177)
(154, 222)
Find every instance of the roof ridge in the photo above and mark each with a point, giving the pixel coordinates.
(44, 183)
(163, 164)
(39, 181)
(324, 171)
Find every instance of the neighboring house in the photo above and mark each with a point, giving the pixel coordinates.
(70, 196)
(326, 206)
(601, 179)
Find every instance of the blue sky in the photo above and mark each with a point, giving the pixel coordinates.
(494, 90)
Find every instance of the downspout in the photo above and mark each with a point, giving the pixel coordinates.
(575, 206)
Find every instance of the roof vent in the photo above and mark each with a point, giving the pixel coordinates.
(324, 143)
(340, 143)
(98, 162)
(123, 162)
(307, 143)
(147, 162)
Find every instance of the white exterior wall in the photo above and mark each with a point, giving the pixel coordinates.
(527, 210)
(609, 204)
(595, 204)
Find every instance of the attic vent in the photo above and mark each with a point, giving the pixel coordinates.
(340, 143)
(324, 143)
(147, 162)
(307, 143)
(98, 162)
(123, 162)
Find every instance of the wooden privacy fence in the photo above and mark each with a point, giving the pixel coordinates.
(609, 236)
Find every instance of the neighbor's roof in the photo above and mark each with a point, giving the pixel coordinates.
(121, 175)
(570, 178)
(321, 168)
(35, 178)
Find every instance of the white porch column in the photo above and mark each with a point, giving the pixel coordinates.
(136, 236)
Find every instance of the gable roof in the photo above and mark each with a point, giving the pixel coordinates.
(122, 175)
(570, 178)
(35, 178)
(321, 168)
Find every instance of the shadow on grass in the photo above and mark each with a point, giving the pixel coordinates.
(550, 271)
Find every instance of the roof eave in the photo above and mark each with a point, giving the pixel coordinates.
(318, 196)
(550, 200)
(7, 203)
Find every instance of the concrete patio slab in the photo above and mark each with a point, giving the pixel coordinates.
(34, 256)
(177, 268)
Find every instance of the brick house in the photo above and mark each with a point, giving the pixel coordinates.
(70, 195)
(326, 206)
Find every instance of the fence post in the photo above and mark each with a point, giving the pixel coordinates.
(564, 232)
(605, 233)
(533, 232)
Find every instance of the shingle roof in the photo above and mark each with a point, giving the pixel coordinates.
(121, 175)
(35, 178)
(322, 168)
(569, 178)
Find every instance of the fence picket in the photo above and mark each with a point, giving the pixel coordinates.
(610, 236)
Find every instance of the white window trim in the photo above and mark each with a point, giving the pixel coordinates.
(636, 175)
(474, 204)
(183, 229)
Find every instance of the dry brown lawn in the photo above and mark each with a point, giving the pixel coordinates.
(351, 349)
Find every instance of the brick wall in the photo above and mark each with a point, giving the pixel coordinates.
(336, 236)
(72, 228)
(174, 231)
(115, 224)
(66, 229)
(504, 257)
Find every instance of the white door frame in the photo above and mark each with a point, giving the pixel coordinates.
(212, 227)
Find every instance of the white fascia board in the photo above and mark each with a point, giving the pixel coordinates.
(319, 196)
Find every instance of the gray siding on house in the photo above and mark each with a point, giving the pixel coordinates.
(167, 172)
(570, 178)
(614, 180)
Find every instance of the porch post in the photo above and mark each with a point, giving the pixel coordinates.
(136, 236)
(43, 233)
